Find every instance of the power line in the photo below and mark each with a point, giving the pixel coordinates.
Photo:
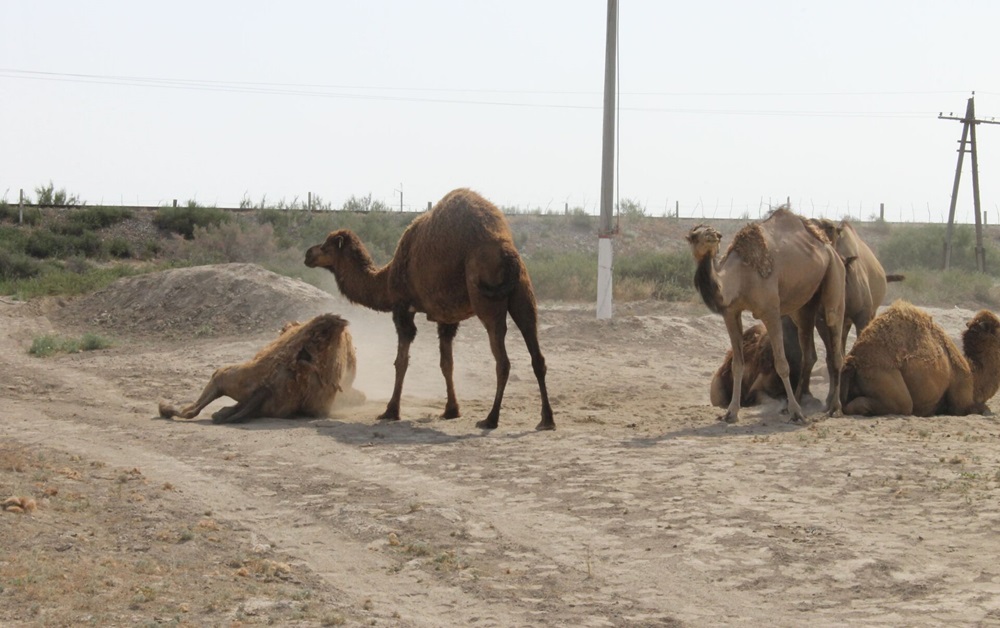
(308, 90)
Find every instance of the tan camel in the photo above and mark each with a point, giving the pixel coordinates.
(301, 373)
(865, 290)
(759, 376)
(776, 267)
(456, 261)
(904, 363)
(866, 279)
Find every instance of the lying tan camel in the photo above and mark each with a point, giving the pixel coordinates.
(301, 373)
(781, 266)
(456, 261)
(759, 377)
(904, 363)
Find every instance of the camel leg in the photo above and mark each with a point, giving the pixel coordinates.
(832, 297)
(734, 326)
(446, 334)
(524, 313)
(775, 333)
(497, 330)
(881, 393)
(244, 410)
(406, 331)
(211, 392)
(805, 323)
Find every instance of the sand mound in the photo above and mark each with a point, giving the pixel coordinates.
(216, 300)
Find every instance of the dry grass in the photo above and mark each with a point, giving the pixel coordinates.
(89, 544)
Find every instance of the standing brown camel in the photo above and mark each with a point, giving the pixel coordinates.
(904, 363)
(456, 261)
(781, 266)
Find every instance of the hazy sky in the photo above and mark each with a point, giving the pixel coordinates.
(724, 105)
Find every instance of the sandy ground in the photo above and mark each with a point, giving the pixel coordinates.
(641, 509)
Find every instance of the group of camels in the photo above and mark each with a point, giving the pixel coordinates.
(458, 260)
(797, 274)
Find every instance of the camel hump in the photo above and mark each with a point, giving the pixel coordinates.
(752, 248)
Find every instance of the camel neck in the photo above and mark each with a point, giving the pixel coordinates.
(706, 280)
(366, 285)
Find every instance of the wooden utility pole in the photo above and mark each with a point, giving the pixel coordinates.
(967, 144)
(604, 252)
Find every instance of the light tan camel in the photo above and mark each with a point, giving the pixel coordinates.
(904, 363)
(866, 279)
(759, 376)
(456, 261)
(776, 267)
(302, 372)
(865, 290)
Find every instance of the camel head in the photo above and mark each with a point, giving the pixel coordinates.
(339, 247)
(981, 345)
(704, 241)
(982, 333)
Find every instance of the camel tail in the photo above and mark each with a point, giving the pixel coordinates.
(890, 278)
(167, 411)
(511, 278)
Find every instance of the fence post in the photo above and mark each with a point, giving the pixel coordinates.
(428, 205)
(175, 202)
(881, 212)
(20, 207)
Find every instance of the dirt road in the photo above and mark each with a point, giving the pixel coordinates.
(641, 509)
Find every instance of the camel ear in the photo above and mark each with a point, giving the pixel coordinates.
(338, 240)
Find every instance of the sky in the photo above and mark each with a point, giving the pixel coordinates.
(725, 107)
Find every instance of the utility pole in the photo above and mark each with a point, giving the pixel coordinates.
(967, 144)
(400, 190)
(605, 231)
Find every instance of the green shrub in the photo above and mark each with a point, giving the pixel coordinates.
(120, 248)
(225, 243)
(183, 220)
(60, 279)
(14, 214)
(923, 247)
(669, 274)
(47, 345)
(48, 244)
(49, 195)
(945, 288)
(98, 217)
(564, 277)
(15, 265)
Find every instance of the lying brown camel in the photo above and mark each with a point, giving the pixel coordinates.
(456, 261)
(781, 266)
(759, 376)
(301, 373)
(904, 363)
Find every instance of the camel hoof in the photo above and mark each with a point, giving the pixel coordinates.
(728, 418)
(388, 416)
(451, 413)
(545, 425)
(798, 419)
(486, 424)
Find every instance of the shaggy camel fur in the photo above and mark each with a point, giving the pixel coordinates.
(300, 373)
(904, 363)
(456, 261)
(759, 376)
(781, 266)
